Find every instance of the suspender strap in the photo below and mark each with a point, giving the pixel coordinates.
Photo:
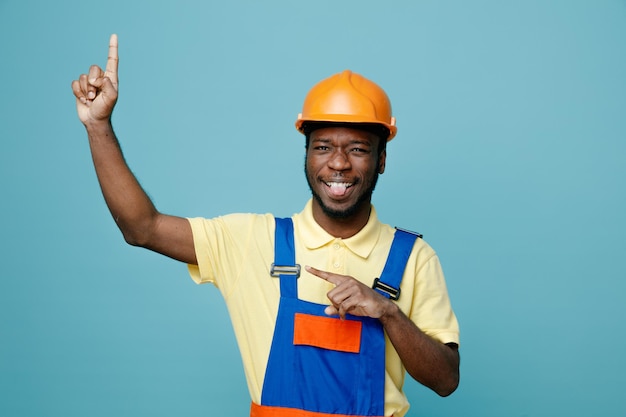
(284, 265)
(389, 282)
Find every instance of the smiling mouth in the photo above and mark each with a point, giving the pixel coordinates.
(338, 189)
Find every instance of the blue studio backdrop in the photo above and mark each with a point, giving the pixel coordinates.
(510, 159)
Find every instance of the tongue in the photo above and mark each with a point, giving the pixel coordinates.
(338, 190)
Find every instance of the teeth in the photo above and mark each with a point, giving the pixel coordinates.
(339, 184)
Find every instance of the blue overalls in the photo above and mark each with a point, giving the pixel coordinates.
(322, 366)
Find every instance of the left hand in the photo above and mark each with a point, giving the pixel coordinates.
(352, 296)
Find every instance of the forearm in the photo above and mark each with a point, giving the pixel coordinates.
(428, 361)
(128, 203)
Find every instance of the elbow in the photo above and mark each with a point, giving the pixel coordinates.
(442, 384)
(132, 240)
(137, 230)
(448, 387)
(135, 236)
(450, 382)
(450, 379)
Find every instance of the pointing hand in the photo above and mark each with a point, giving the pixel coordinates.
(352, 296)
(96, 92)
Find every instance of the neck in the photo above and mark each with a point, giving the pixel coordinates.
(342, 227)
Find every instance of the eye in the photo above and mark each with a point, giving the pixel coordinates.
(360, 150)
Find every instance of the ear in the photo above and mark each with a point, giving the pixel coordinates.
(382, 158)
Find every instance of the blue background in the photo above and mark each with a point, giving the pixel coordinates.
(510, 158)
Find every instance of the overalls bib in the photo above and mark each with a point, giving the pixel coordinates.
(322, 366)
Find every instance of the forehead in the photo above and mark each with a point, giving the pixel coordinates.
(344, 134)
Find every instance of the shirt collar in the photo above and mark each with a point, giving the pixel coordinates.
(314, 236)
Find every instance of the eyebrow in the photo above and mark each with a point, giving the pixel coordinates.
(352, 142)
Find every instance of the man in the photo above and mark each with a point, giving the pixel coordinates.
(333, 338)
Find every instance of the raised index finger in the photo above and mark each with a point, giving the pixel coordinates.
(112, 60)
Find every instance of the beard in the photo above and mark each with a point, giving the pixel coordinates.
(364, 198)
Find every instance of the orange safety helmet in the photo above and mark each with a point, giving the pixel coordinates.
(347, 97)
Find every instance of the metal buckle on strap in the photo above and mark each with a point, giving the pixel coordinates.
(394, 293)
(278, 270)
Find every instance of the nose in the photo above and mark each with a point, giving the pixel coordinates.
(339, 161)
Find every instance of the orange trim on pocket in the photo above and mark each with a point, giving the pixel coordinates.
(327, 333)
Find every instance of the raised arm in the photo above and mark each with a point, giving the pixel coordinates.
(140, 222)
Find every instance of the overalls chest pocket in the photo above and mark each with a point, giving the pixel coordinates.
(327, 333)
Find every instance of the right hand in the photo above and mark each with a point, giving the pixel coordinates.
(96, 92)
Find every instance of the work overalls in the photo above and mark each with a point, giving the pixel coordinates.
(321, 366)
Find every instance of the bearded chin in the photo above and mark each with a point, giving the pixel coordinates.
(366, 197)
